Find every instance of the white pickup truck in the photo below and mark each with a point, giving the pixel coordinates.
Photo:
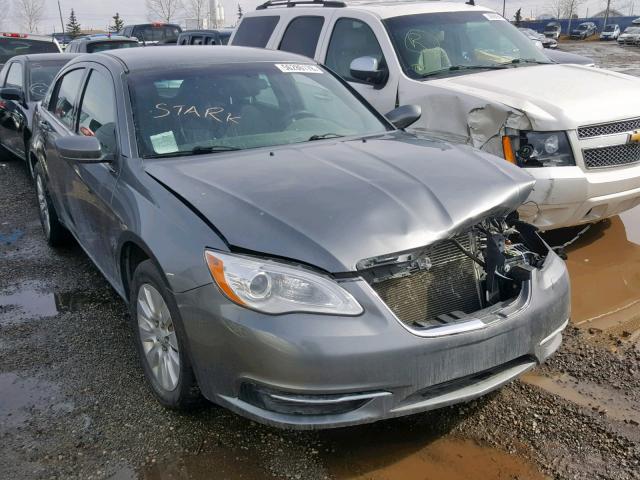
(479, 81)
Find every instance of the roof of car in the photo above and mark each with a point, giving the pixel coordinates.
(145, 58)
(104, 38)
(387, 9)
(44, 57)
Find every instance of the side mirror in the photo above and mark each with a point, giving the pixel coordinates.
(81, 149)
(367, 69)
(11, 94)
(405, 116)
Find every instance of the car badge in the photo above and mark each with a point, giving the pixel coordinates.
(634, 137)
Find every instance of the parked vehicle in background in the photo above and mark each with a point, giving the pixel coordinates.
(583, 31)
(538, 39)
(630, 36)
(100, 43)
(479, 81)
(12, 44)
(321, 238)
(152, 33)
(205, 37)
(552, 30)
(24, 82)
(610, 32)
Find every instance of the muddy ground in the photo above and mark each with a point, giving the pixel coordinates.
(73, 403)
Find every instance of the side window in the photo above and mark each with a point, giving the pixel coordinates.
(183, 40)
(351, 39)
(196, 40)
(98, 111)
(64, 100)
(255, 31)
(15, 78)
(302, 35)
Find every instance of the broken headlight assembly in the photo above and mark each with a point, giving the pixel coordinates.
(277, 288)
(540, 149)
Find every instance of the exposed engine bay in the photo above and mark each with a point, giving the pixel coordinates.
(452, 278)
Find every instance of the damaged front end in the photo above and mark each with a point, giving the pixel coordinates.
(441, 288)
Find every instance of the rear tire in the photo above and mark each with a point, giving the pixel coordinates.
(54, 232)
(161, 339)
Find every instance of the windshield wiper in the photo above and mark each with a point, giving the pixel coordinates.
(454, 68)
(203, 150)
(324, 135)
(516, 61)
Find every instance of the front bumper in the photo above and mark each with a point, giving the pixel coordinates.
(372, 361)
(568, 196)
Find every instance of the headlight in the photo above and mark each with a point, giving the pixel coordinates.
(276, 288)
(544, 149)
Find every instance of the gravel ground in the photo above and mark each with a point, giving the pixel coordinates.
(73, 403)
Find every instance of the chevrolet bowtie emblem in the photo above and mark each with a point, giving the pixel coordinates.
(634, 137)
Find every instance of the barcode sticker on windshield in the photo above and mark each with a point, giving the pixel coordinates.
(164, 143)
(494, 16)
(298, 68)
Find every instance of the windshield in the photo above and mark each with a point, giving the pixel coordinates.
(583, 27)
(156, 33)
(610, 28)
(104, 46)
(433, 43)
(234, 107)
(10, 47)
(551, 28)
(631, 30)
(41, 74)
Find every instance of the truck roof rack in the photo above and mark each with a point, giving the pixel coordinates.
(293, 3)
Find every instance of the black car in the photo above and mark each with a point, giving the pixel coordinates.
(24, 82)
(205, 37)
(152, 33)
(100, 43)
(584, 30)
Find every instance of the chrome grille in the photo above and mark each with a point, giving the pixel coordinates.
(450, 285)
(613, 156)
(609, 128)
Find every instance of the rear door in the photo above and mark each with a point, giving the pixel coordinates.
(60, 119)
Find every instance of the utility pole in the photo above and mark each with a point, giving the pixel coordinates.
(504, 7)
(61, 20)
(606, 14)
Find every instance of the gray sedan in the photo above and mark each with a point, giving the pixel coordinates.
(285, 251)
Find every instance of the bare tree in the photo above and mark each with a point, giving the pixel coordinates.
(30, 13)
(197, 9)
(556, 7)
(570, 8)
(165, 10)
(5, 8)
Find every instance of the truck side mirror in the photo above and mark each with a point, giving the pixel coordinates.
(368, 70)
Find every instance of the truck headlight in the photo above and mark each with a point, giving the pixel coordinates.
(544, 149)
(276, 288)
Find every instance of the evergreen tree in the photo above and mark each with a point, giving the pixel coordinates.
(73, 27)
(239, 13)
(118, 24)
(518, 17)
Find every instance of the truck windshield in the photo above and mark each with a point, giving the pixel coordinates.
(458, 42)
(10, 47)
(217, 108)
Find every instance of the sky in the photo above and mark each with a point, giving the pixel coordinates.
(98, 13)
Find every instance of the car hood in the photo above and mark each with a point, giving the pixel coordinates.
(554, 97)
(333, 203)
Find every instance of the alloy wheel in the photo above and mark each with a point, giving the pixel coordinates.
(158, 337)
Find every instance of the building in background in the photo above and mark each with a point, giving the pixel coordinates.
(216, 14)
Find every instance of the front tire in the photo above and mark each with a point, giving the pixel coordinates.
(53, 230)
(161, 340)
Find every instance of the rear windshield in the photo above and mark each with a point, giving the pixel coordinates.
(156, 33)
(41, 74)
(103, 46)
(10, 47)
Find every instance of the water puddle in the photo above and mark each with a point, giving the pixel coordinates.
(225, 464)
(376, 453)
(610, 403)
(31, 300)
(21, 397)
(604, 265)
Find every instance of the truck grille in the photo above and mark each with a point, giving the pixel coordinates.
(609, 128)
(450, 285)
(613, 156)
